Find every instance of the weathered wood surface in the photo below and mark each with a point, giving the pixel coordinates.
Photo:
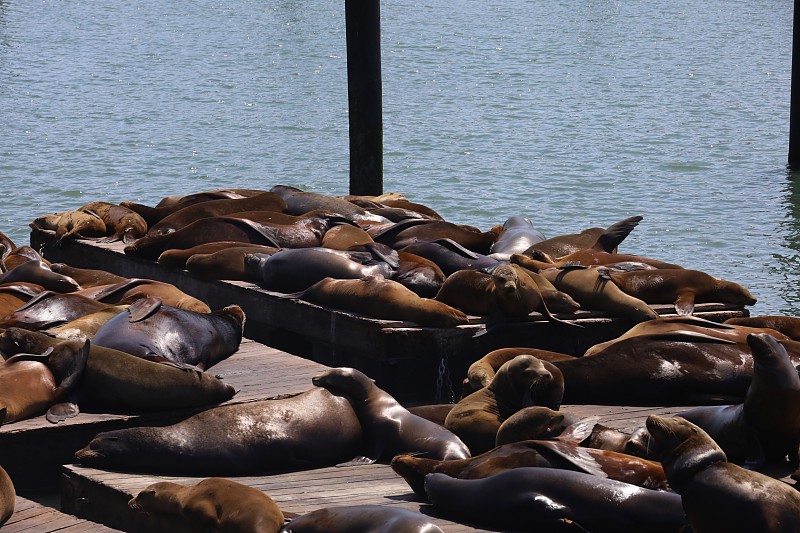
(403, 358)
(102, 496)
(33, 450)
(32, 517)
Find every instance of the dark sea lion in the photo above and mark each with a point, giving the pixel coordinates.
(171, 204)
(451, 257)
(388, 426)
(535, 453)
(517, 236)
(408, 232)
(226, 264)
(530, 423)
(683, 287)
(636, 444)
(31, 385)
(85, 327)
(420, 275)
(214, 504)
(788, 325)
(72, 224)
(542, 498)
(519, 383)
(766, 427)
(718, 495)
(362, 519)
(481, 372)
(384, 299)
(345, 237)
(299, 202)
(40, 273)
(131, 290)
(152, 330)
(87, 277)
(115, 381)
(266, 201)
(50, 309)
(312, 429)
(122, 224)
(297, 269)
(8, 496)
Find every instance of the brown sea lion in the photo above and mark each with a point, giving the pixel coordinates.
(683, 287)
(519, 383)
(31, 385)
(72, 224)
(599, 238)
(384, 299)
(592, 257)
(314, 428)
(299, 202)
(530, 423)
(718, 495)
(481, 372)
(122, 224)
(517, 236)
(171, 204)
(177, 258)
(50, 309)
(226, 264)
(266, 201)
(159, 332)
(131, 290)
(535, 453)
(23, 254)
(555, 300)
(214, 504)
(115, 381)
(408, 232)
(420, 275)
(362, 519)
(788, 325)
(8, 496)
(389, 427)
(436, 413)
(87, 277)
(543, 498)
(15, 295)
(6, 246)
(345, 237)
(613, 440)
(40, 273)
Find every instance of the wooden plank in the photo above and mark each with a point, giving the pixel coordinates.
(33, 517)
(402, 357)
(34, 449)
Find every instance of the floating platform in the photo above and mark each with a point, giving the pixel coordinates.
(33, 450)
(414, 364)
(102, 496)
(32, 517)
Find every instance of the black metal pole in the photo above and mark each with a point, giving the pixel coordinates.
(794, 113)
(363, 20)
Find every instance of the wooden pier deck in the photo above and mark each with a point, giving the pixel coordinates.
(102, 496)
(32, 517)
(403, 358)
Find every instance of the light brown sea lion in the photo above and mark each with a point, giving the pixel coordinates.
(683, 287)
(481, 372)
(788, 325)
(362, 519)
(599, 238)
(226, 264)
(40, 273)
(8, 496)
(314, 428)
(31, 385)
(115, 381)
(171, 204)
(555, 300)
(718, 495)
(86, 326)
(535, 453)
(122, 224)
(519, 383)
(266, 201)
(592, 256)
(177, 258)
(389, 427)
(545, 499)
(87, 277)
(72, 224)
(384, 299)
(50, 309)
(131, 290)
(345, 237)
(214, 504)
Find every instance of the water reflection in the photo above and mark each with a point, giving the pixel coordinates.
(789, 259)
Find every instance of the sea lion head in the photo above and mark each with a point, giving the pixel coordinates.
(730, 292)
(344, 380)
(161, 497)
(505, 279)
(525, 378)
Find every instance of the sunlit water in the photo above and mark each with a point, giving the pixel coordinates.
(575, 114)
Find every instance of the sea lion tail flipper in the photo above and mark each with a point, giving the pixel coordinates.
(36, 299)
(67, 367)
(380, 251)
(578, 431)
(357, 461)
(615, 234)
(684, 304)
(61, 411)
(118, 288)
(143, 308)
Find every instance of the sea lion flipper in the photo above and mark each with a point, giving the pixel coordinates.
(67, 367)
(36, 299)
(61, 411)
(143, 308)
(684, 304)
(582, 458)
(357, 461)
(615, 234)
(578, 431)
(377, 250)
(118, 288)
(453, 246)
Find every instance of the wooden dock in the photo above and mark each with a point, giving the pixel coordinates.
(32, 517)
(33, 450)
(102, 496)
(406, 360)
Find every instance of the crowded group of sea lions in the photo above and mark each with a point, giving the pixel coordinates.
(504, 456)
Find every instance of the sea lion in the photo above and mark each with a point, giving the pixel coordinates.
(542, 498)
(152, 330)
(15, 295)
(171, 204)
(718, 495)
(388, 426)
(40, 273)
(766, 427)
(49, 309)
(530, 423)
(297, 269)
(312, 429)
(788, 325)
(384, 299)
(599, 238)
(636, 444)
(72, 224)
(23, 254)
(517, 236)
(176, 258)
(85, 327)
(214, 504)
(87, 277)
(683, 287)
(299, 202)
(420, 275)
(362, 519)
(345, 237)
(115, 381)
(481, 372)
(593, 257)
(436, 413)
(266, 201)
(6, 246)
(34, 384)
(404, 203)
(122, 224)
(535, 453)
(521, 382)
(451, 257)
(408, 232)
(555, 300)
(225, 264)
(8, 496)
(131, 290)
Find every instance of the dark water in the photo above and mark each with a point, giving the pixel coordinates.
(575, 114)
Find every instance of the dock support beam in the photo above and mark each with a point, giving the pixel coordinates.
(794, 113)
(363, 20)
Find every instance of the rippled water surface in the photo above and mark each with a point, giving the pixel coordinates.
(575, 114)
